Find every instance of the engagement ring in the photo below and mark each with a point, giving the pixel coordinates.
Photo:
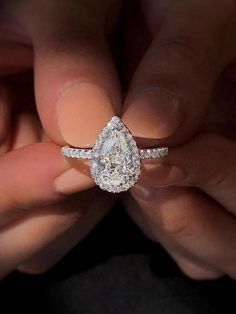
(115, 159)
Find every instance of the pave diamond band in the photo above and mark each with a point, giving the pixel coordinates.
(77, 153)
(115, 159)
(152, 153)
(80, 153)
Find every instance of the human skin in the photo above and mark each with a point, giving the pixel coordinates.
(68, 43)
(187, 203)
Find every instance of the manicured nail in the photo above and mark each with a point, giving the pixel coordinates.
(154, 113)
(154, 177)
(73, 181)
(161, 175)
(83, 110)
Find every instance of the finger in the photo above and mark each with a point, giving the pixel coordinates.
(76, 86)
(30, 180)
(135, 41)
(52, 253)
(27, 130)
(191, 223)
(30, 235)
(191, 265)
(173, 84)
(16, 52)
(196, 270)
(207, 162)
(5, 118)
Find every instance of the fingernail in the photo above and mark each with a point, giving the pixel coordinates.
(154, 113)
(154, 178)
(73, 181)
(83, 110)
(161, 175)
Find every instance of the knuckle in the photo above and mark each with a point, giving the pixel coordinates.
(184, 220)
(218, 149)
(177, 223)
(80, 41)
(192, 50)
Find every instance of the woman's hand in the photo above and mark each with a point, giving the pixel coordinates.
(67, 44)
(178, 90)
(172, 61)
(188, 202)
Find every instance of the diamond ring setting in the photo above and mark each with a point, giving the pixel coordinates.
(115, 159)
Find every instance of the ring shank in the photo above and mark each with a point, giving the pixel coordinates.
(87, 154)
(77, 153)
(152, 153)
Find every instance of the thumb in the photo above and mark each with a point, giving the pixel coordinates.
(174, 82)
(76, 86)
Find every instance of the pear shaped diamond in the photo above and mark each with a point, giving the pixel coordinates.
(115, 164)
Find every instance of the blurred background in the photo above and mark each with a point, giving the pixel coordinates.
(119, 271)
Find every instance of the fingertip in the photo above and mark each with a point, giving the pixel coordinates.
(195, 271)
(73, 181)
(154, 113)
(83, 110)
(161, 175)
(77, 92)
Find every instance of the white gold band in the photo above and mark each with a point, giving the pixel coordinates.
(152, 153)
(82, 153)
(77, 153)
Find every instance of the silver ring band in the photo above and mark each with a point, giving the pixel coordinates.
(80, 153)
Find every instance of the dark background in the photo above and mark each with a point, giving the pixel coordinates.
(116, 270)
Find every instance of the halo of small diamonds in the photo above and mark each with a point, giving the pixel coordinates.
(115, 160)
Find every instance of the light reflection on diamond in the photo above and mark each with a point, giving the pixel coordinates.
(116, 165)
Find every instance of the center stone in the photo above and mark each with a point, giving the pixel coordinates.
(115, 165)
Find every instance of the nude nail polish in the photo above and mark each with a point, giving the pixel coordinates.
(153, 113)
(73, 181)
(161, 175)
(83, 110)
